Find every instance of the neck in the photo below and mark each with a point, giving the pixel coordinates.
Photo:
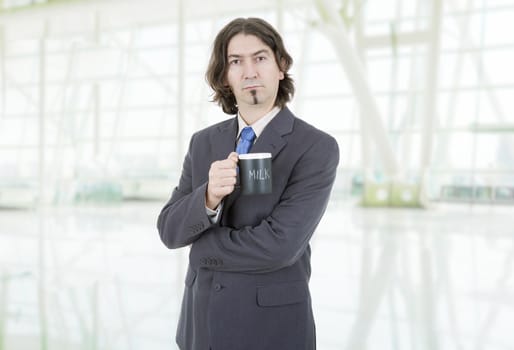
(251, 114)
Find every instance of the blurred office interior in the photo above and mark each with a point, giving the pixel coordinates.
(98, 100)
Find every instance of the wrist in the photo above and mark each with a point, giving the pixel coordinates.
(211, 203)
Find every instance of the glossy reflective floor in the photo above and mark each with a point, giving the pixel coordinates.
(93, 278)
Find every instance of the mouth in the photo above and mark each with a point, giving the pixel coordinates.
(251, 87)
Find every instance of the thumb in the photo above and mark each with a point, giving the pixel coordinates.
(233, 156)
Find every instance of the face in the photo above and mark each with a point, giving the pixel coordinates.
(253, 73)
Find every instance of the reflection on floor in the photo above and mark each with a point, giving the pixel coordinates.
(98, 278)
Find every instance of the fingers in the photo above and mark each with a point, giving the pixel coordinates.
(222, 180)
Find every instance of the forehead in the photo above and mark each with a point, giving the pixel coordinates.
(246, 44)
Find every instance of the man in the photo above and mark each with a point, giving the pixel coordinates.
(246, 286)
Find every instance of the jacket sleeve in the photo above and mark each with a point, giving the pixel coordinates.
(184, 218)
(280, 239)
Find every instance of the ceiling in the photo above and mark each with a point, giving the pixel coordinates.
(66, 17)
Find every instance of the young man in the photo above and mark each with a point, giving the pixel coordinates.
(246, 287)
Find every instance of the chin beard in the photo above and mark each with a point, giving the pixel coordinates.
(254, 95)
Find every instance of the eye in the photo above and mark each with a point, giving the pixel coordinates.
(261, 58)
(234, 61)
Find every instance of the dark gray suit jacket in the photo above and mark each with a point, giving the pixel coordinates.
(246, 286)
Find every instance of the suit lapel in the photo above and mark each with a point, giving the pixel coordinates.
(223, 141)
(271, 140)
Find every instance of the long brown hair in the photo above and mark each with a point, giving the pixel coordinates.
(218, 64)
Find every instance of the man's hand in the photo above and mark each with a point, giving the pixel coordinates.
(222, 179)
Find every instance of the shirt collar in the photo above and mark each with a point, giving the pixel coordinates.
(260, 124)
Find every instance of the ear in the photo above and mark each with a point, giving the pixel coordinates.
(282, 66)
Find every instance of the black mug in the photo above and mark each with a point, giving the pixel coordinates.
(255, 173)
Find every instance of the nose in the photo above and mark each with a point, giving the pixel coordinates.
(249, 71)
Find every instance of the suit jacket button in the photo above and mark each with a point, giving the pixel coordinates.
(217, 287)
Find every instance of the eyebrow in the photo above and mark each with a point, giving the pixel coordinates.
(254, 54)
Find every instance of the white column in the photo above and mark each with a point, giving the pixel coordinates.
(335, 30)
(280, 16)
(43, 190)
(43, 193)
(181, 78)
(364, 131)
(2, 73)
(4, 279)
(430, 117)
(96, 96)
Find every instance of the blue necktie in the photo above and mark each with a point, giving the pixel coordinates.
(246, 140)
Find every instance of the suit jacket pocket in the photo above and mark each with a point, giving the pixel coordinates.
(282, 294)
(190, 277)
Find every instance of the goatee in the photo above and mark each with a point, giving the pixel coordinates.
(254, 95)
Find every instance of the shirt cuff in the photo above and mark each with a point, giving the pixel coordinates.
(214, 215)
